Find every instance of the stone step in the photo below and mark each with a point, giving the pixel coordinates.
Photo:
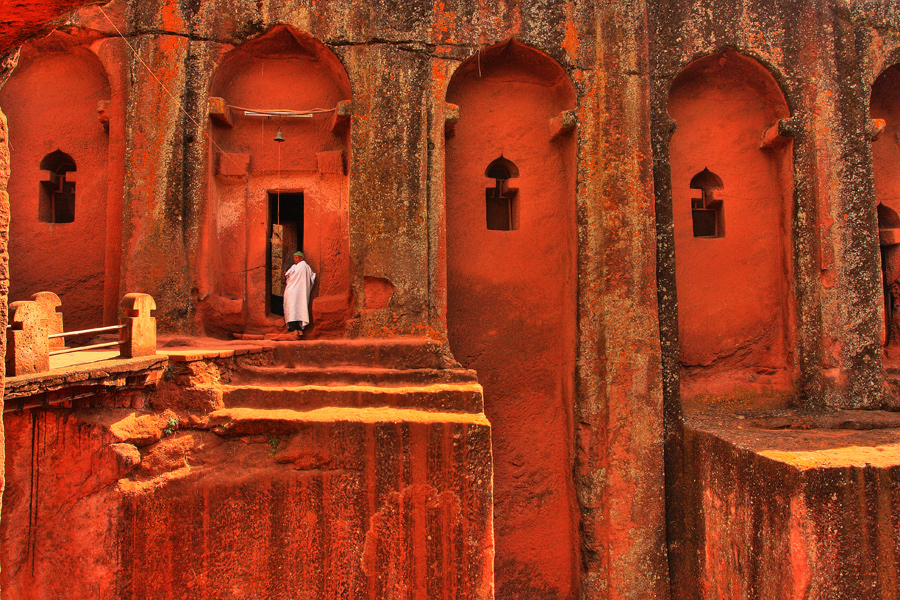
(251, 421)
(461, 398)
(389, 353)
(348, 375)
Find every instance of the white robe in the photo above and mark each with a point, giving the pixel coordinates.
(300, 279)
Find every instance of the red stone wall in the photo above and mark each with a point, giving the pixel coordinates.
(885, 104)
(511, 305)
(51, 101)
(798, 514)
(735, 304)
(4, 258)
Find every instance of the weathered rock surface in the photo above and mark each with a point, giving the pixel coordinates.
(255, 503)
(792, 506)
(583, 386)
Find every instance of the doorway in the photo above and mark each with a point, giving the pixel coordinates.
(284, 235)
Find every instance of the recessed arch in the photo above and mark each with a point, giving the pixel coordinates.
(706, 180)
(58, 162)
(59, 158)
(884, 104)
(56, 192)
(736, 307)
(511, 301)
(501, 168)
(887, 217)
(268, 197)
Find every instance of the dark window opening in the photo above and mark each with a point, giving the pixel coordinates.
(706, 211)
(887, 217)
(888, 223)
(501, 207)
(56, 202)
(285, 236)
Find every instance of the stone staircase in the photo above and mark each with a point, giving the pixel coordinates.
(400, 373)
(364, 465)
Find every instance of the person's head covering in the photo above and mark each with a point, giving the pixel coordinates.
(298, 253)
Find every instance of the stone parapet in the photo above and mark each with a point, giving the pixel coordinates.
(792, 505)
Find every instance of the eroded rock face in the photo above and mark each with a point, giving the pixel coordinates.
(806, 512)
(336, 503)
(23, 21)
(187, 221)
(577, 400)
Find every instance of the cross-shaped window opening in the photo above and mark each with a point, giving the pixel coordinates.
(57, 189)
(706, 211)
(500, 201)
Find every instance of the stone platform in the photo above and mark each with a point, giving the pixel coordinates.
(783, 504)
(339, 469)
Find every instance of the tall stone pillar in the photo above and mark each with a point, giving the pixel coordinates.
(162, 207)
(848, 230)
(619, 462)
(389, 192)
(154, 257)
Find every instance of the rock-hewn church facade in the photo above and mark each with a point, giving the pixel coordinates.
(608, 298)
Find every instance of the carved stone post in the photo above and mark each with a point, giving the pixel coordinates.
(50, 302)
(138, 337)
(27, 348)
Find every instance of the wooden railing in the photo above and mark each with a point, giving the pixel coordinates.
(35, 332)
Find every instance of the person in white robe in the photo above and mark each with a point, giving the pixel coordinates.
(299, 282)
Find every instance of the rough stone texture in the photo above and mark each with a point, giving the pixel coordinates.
(26, 339)
(22, 21)
(4, 256)
(50, 303)
(138, 337)
(622, 58)
(832, 234)
(269, 504)
(793, 506)
(824, 58)
(618, 401)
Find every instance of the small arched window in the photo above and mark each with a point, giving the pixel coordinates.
(706, 211)
(887, 217)
(500, 200)
(57, 190)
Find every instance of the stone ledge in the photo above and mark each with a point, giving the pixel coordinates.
(209, 354)
(106, 374)
(791, 505)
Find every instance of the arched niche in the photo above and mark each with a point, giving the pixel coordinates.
(736, 321)
(59, 160)
(511, 302)
(258, 183)
(885, 104)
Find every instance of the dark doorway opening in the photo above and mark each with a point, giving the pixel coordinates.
(285, 236)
